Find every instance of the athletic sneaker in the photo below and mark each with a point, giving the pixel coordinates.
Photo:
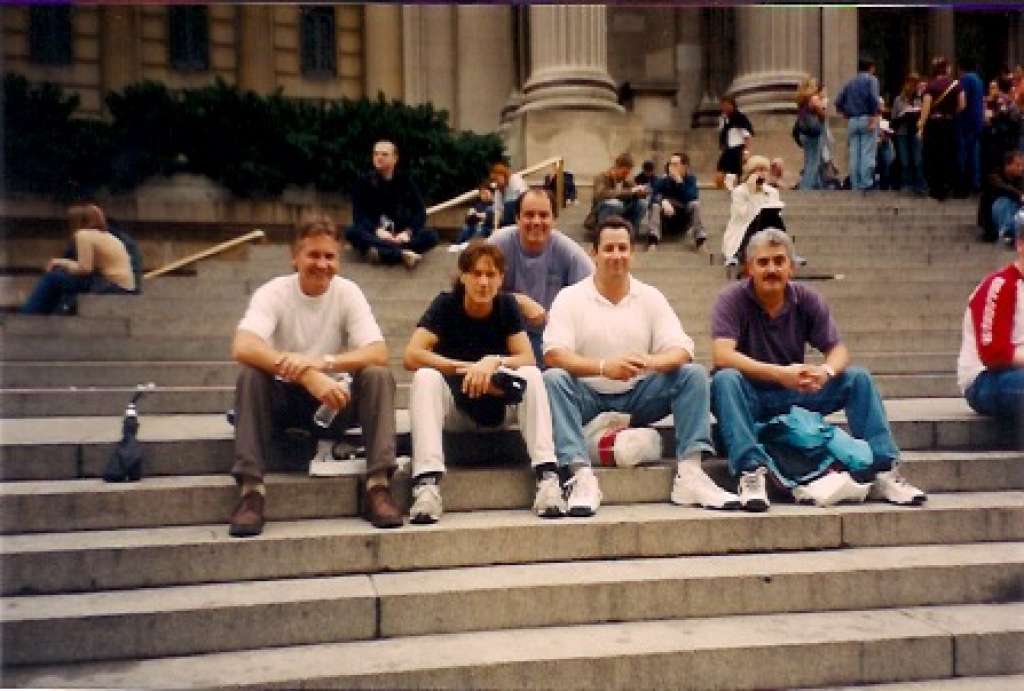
(411, 259)
(692, 486)
(585, 494)
(893, 488)
(753, 496)
(426, 503)
(549, 502)
(830, 489)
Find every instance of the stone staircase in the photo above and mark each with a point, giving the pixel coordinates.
(138, 585)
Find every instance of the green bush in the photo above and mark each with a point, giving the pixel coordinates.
(254, 145)
(46, 150)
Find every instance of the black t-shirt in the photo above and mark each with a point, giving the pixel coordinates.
(461, 337)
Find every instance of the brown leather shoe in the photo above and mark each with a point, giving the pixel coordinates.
(380, 508)
(247, 520)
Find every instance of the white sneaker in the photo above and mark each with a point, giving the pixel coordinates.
(692, 486)
(426, 503)
(753, 496)
(549, 502)
(830, 489)
(410, 259)
(585, 497)
(891, 487)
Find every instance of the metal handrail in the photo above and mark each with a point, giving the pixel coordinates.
(209, 252)
(556, 161)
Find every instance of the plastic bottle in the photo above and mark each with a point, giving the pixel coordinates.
(324, 415)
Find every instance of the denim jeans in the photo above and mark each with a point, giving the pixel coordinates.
(738, 404)
(999, 394)
(908, 151)
(1003, 211)
(57, 288)
(423, 240)
(861, 140)
(632, 210)
(684, 393)
(810, 179)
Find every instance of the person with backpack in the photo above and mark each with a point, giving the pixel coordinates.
(97, 262)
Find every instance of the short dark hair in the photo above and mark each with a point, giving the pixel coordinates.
(536, 191)
(313, 223)
(865, 63)
(614, 221)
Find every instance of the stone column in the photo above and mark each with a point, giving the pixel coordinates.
(777, 47)
(839, 42)
(120, 45)
(484, 64)
(382, 50)
(256, 70)
(941, 36)
(717, 62)
(569, 59)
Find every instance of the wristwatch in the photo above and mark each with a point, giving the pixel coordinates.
(329, 363)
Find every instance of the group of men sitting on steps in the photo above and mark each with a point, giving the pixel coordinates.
(529, 297)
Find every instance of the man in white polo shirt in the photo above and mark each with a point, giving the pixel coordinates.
(614, 344)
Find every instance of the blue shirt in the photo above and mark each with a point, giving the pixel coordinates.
(859, 96)
(973, 116)
(683, 191)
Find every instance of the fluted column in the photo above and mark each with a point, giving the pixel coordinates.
(121, 53)
(941, 35)
(569, 59)
(776, 48)
(717, 62)
(382, 50)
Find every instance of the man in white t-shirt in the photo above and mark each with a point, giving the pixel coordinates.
(614, 344)
(297, 331)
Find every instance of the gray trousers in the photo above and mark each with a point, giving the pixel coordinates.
(265, 406)
(686, 217)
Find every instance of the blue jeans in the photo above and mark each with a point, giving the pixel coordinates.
(908, 151)
(57, 290)
(474, 231)
(684, 393)
(811, 177)
(999, 394)
(423, 240)
(633, 211)
(1003, 211)
(738, 404)
(861, 140)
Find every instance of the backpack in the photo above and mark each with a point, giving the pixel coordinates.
(134, 254)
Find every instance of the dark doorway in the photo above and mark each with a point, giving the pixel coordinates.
(983, 36)
(885, 35)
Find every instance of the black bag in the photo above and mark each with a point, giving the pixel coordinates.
(489, 411)
(125, 464)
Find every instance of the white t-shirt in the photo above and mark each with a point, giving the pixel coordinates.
(969, 364)
(588, 324)
(288, 319)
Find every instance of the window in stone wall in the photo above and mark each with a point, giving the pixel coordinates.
(49, 34)
(188, 38)
(318, 41)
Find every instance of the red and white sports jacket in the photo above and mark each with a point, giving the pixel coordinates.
(993, 325)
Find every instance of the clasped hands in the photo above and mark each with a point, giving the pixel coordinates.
(627, 366)
(394, 238)
(308, 372)
(477, 379)
(803, 378)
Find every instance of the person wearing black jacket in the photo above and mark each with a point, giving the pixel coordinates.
(734, 132)
(1002, 198)
(388, 217)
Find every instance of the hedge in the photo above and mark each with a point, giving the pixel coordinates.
(255, 145)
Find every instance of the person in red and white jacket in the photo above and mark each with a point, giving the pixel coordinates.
(990, 369)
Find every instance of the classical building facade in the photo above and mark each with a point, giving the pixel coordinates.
(583, 81)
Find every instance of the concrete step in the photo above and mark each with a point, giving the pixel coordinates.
(741, 652)
(188, 620)
(79, 447)
(47, 563)
(1002, 682)
(99, 400)
(90, 504)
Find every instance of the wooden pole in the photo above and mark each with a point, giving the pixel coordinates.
(216, 249)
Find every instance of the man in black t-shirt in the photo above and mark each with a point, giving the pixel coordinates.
(466, 338)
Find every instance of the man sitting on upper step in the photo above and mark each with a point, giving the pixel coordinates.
(298, 330)
(539, 262)
(990, 369)
(676, 206)
(760, 328)
(388, 218)
(615, 344)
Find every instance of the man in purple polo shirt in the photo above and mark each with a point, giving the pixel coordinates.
(760, 328)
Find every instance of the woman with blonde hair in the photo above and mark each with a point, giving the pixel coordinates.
(812, 130)
(906, 108)
(755, 205)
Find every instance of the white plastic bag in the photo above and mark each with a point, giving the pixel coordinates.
(611, 442)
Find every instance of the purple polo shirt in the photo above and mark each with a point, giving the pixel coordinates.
(804, 318)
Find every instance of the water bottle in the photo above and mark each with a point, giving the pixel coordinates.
(324, 415)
